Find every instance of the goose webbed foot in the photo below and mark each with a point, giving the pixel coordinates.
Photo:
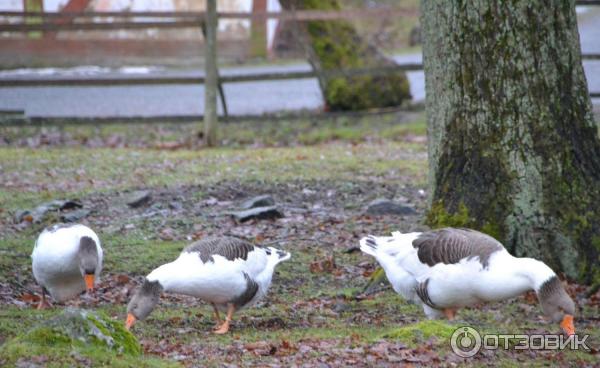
(450, 313)
(44, 303)
(224, 328)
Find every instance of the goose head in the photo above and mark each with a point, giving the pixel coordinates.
(557, 304)
(143, 302)
(88, 260)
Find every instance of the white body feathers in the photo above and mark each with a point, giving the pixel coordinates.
(55, 263)
(219, 280)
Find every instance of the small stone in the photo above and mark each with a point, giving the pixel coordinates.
(260, 201)
(341, 307)
(384, 206)
(68, 205)
(138, 198)
(174, 205)
(37, 214)
(307, 191)
(260, 213)
(167, 233)
(75, 216)
(23, 215)
(210, 201)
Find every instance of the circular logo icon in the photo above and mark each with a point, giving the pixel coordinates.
(465, 341)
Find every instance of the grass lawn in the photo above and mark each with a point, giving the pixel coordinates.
(315, 313)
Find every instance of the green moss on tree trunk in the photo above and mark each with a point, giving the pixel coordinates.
(335, 44)
(513, 146)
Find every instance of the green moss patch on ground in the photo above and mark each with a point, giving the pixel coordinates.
(422, 331)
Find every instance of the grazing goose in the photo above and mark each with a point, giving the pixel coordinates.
(66, 260)
(450, 268)
(227, 272)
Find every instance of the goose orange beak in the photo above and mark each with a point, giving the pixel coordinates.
(89, 282)
(567, 325)
(130, 321)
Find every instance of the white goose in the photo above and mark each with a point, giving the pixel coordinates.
(227, 272)
(450, 268)
(66, 260)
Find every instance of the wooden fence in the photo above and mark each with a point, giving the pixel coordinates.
(70, 21)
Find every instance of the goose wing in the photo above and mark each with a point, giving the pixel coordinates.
(251, 258)
(451, 245)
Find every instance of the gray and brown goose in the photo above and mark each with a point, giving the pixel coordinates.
(66, 260)
(228, 272)
(450, 268)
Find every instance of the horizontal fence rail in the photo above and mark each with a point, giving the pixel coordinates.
(98, 26)
(22, 82)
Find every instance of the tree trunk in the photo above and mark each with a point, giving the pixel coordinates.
(513, 147)
(334, 45)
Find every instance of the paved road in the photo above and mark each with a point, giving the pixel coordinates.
(242, 98)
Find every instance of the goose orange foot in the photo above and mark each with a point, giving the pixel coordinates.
(450, 313)
(44, 303)
(223, 329)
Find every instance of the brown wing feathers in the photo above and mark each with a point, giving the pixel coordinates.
(451, 245)
(228, 247)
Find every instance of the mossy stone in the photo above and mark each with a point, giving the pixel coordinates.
(82, 328)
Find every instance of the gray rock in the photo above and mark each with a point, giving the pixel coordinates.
(20, 216)
(174, 205)
(384, 206)
(260, 213)
(260, 201)
(38, 213)
(138, 198)
(75, 216)
(341, 307)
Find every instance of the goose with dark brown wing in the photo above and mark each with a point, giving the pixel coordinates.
(450, 268)
(229, 273)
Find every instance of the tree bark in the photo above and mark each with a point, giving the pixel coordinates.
(513, 147)
(336, 45)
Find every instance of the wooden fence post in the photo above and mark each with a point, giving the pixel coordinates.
(211, 82)
(34, 6)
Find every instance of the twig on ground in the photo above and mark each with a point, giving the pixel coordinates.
(368, 293)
